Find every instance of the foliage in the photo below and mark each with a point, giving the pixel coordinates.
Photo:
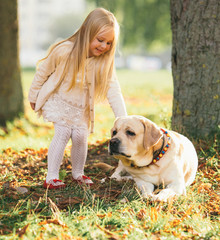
(106, 210)
(143, 22)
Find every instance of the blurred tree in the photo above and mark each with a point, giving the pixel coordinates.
(143, 22)
(11, 96)
(196, 66)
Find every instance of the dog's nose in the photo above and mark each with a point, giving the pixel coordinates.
(114, 145)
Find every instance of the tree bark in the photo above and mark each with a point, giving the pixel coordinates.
(196, 66)
(11, 95)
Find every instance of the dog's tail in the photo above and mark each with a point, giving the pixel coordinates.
(104, 166)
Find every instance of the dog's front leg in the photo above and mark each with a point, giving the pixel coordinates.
(118, 171)
(170, 191)
(146, 188)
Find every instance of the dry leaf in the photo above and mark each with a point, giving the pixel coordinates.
(110, 234)
(153, 214)
(21, 190)
(54, 221)
(142, 214)
(204, 187)
(101, 215)
(21, 231)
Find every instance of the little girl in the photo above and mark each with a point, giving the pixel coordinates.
(77, 71)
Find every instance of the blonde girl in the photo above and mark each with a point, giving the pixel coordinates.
(76, 72)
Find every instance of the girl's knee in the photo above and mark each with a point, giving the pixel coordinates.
(62, 132)
(79, 134)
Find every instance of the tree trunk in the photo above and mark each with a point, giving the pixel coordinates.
(11, 96)
(196, 66)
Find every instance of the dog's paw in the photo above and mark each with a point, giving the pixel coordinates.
(164, 196)
(147, 195)
(126, 178)
(123, 178)
(157, 198)
(116, 178)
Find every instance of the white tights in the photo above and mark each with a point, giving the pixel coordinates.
(78, 151)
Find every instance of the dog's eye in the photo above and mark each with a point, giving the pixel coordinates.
(130, 133)
(114, 133)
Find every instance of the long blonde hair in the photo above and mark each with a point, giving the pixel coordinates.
(98, 20)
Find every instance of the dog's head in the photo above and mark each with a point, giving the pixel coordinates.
(133, 137)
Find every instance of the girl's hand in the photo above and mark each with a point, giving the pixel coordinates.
(32, 105)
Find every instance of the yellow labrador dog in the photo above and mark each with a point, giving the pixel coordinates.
(153, 157)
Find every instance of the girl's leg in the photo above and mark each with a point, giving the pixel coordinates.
(56, 151)
(79, 154)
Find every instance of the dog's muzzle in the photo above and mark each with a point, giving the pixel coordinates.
(114, 147)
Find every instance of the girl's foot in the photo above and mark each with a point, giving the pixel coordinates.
(83, 180)
(54, 184)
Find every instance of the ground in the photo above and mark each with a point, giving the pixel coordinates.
(25, 171)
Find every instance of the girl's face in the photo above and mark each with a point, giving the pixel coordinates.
(101, 43)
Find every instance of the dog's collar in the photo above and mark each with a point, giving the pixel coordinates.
(158, 154)
(157, 157)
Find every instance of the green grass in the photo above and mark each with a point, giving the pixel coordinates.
(110, 210)
(146, 93)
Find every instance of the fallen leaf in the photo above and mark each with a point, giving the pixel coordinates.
(54, 221)
(142, 214)
(204, 187)
(21, 231)
(110, 234)
(67, 237)
(21, 190)
(153, 214)
(101, 215)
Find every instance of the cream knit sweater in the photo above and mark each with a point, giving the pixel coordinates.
(73, 108)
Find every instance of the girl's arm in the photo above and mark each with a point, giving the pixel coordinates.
(115, 98)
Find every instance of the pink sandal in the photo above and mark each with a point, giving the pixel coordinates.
(83, 180)
(54, 184)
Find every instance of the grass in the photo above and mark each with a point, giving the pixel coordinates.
(109, 210)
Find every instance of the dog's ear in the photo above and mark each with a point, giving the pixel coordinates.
(114, 126)
(152, 133)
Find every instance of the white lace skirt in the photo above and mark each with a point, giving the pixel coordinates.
(59, 111)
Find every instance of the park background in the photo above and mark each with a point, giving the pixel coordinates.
(107, 210)
(143, 64)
